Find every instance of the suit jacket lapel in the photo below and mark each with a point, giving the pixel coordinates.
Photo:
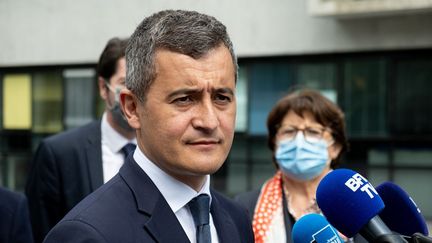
(93, 155)
(225, 227)
(162, 223)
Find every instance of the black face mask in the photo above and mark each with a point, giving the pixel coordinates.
(116, 111)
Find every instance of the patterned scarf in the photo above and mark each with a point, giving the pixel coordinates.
(268, 222)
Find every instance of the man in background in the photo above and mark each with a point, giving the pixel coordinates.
(14, 218)
(68, 166)
(180, 99)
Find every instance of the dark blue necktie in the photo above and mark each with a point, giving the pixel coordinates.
(200, 209)
(128, 148)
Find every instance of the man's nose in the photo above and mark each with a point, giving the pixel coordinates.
(206, 117)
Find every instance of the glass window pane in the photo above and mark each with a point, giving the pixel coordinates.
(378, 157)
(413, 157)
(15, 166)
(47, 102)
(262, 165)
(241, 95)
(237, 166)
(268, 83)
(318, 76)
(80, 96)
(412, 104)
(17, 109)
(378, 176)
(364, 97)
(417, 184)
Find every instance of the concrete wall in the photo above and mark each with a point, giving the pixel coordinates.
(43, 32)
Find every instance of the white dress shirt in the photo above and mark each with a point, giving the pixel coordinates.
(112, 143)
(177, 194)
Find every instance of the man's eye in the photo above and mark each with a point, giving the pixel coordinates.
(183, 100)
(223, 98)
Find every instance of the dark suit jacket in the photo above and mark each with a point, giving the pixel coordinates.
(14, 218)
(65, 168)
(130, 208)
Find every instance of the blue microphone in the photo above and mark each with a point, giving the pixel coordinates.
(400, 214)
(351, 204)
(314, 228)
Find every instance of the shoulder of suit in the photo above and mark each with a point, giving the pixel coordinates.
(224, 200)
(9, 200)
(249, 197)
(78, 133)
(101, 200)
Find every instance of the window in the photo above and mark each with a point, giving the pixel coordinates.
(241, 95)
(318, 76)
(268, 83)
(79, 96)
(412, 103)
(47, 102)
(17, 109)
(364, 97)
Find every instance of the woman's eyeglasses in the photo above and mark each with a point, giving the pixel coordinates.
(311, 134)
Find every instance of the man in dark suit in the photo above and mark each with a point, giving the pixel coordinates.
(14, 218)
(180, 98)
(68, 166)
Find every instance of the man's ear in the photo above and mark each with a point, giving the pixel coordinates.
(129, 106)
(103, 92)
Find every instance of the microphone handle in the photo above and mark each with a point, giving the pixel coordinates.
(376, 231)
(391, 238)
(419, 238)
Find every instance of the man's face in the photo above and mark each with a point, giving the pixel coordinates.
(186, 125)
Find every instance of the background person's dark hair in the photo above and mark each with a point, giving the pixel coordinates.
(114, 50)
(323, 110)
(186, 32)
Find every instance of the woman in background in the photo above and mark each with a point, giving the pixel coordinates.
(306, 137)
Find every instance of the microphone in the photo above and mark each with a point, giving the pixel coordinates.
(351, 204)
(400, 214)
(314, 228)
(419, 238)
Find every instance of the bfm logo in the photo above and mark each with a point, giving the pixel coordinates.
(357, 181)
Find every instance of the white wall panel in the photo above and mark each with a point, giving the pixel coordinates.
(41, 32)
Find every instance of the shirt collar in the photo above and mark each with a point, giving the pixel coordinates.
(111, 138)
(175, 192)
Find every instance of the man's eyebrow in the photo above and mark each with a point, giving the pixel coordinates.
(189, 91)
(186, 91)
(224, 91)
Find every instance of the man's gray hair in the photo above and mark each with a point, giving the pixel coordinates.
(186, 32)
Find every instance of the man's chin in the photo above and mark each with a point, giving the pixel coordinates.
(207, 169)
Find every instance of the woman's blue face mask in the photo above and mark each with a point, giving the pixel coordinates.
(300, 159)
